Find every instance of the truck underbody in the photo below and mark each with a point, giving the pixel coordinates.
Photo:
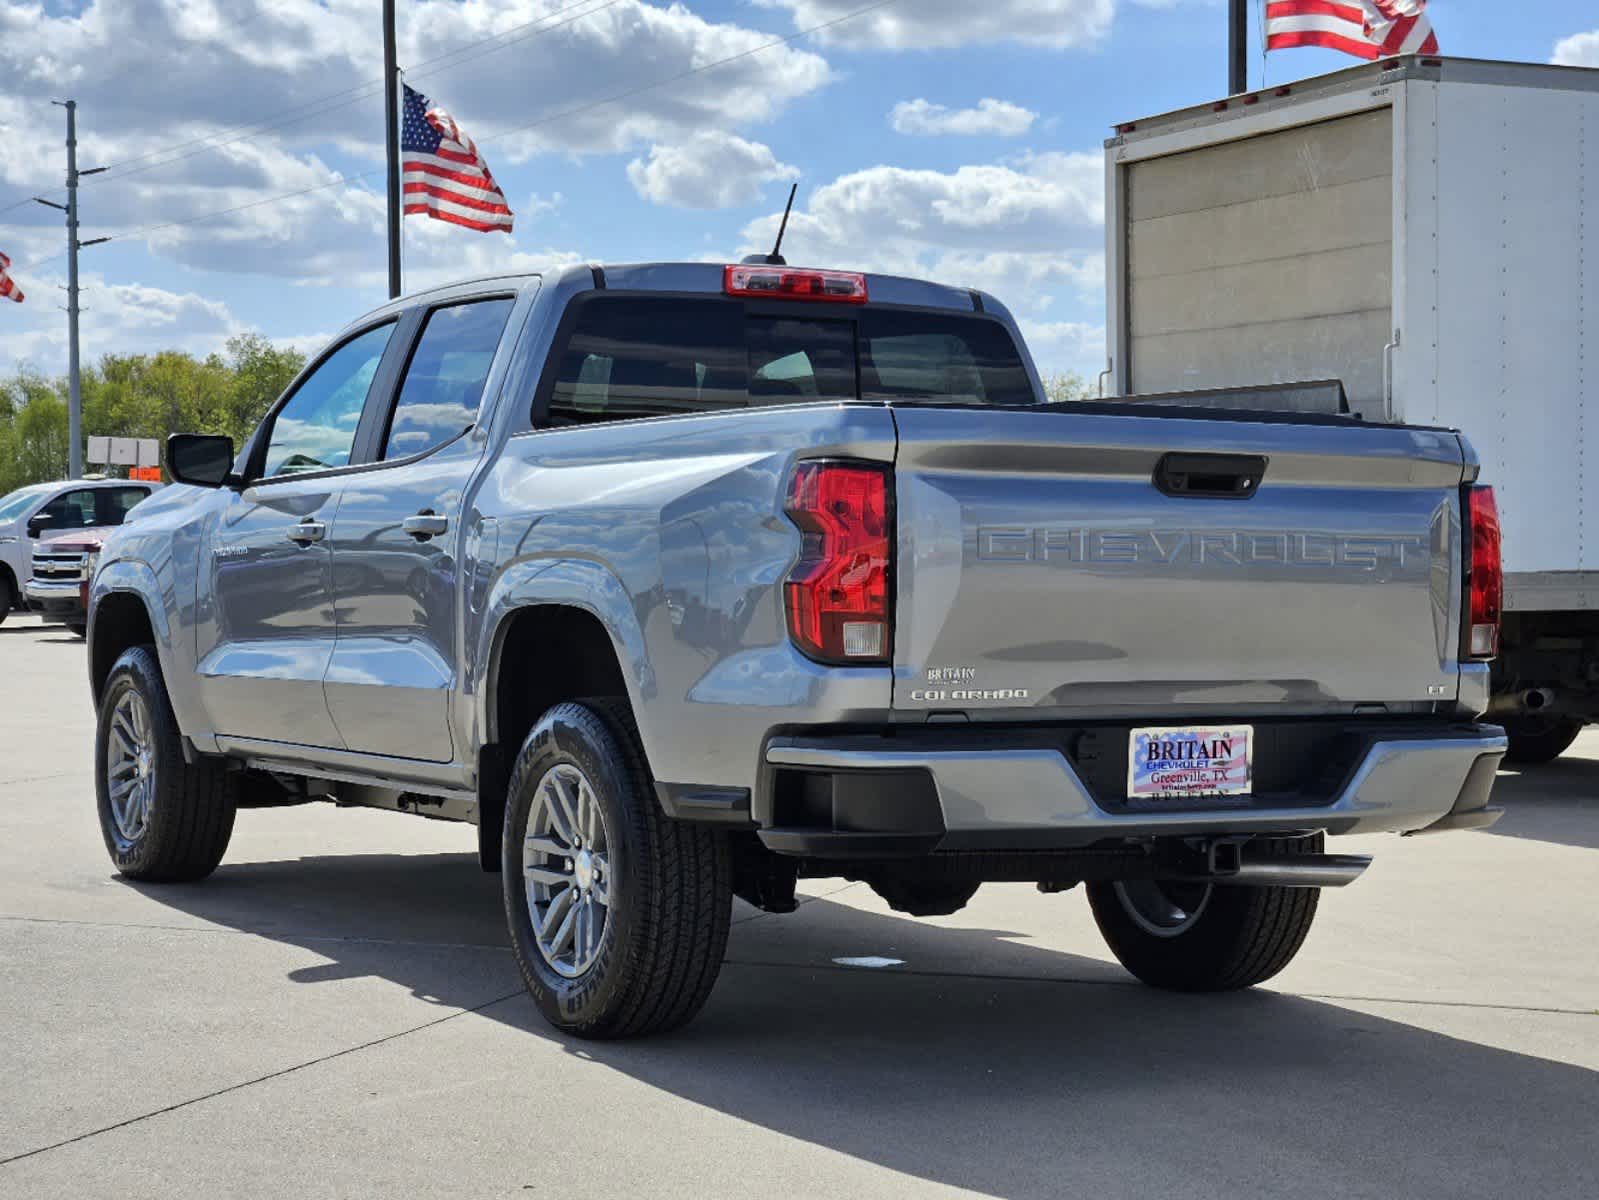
(1546, 680)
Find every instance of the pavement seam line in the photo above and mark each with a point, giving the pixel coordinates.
(1135, 985)
(240, 1086)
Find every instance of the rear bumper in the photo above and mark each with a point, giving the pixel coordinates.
(856, 796)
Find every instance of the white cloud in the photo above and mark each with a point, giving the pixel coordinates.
(940, 24)
(437, 252)
(117, 319)
(711, 169)
(1578, 50)
(1037, 204)
(151, 75)
(536, 206)
(1067, 346)
(997, 118)
(1029, 231)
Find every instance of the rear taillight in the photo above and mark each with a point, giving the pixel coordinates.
(789, 283)
(837, 596)
(1485, 579)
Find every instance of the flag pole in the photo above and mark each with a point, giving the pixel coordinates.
(391, 141)
(1237, 47)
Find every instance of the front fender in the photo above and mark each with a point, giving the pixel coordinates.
(572, 583)
(131, 577)
(134, 577)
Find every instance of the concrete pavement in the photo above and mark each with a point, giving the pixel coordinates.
(334, 1013)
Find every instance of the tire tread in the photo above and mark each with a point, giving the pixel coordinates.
(195, 803)
(1247, 935)
(681, 874)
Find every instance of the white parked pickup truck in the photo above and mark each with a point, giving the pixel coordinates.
(43, 511)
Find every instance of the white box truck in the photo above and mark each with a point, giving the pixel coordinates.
(1426, 231)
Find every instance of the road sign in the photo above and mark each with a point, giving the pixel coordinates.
(124, 452)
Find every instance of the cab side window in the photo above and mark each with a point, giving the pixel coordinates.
(647, 356)
(70, 510)
(315, 430)
(444, 381)
(115, 503)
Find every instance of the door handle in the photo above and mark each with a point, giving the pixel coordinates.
(308, 531)
(425, 524)
(1210, 476)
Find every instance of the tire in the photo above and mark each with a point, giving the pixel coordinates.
(174, 825)
(77, 629)
(1230, 937)
(8, 596)
(645, 957)
(1540, 739)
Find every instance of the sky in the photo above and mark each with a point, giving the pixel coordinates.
(960, 140)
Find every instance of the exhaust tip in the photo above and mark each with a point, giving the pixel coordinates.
(1302, 870)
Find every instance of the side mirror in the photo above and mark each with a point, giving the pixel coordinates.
(38, 523)
(201, 459)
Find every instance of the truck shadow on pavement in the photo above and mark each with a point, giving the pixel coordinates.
(983, 1063)
(1552, 802)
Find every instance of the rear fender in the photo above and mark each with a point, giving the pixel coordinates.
(572, 583)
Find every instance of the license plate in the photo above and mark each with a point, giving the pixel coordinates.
(1189, 760)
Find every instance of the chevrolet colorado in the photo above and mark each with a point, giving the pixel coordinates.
(682, 582)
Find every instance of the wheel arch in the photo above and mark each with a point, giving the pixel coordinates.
(119, 617)
(531, 605)
(576, 656)
(125, 609)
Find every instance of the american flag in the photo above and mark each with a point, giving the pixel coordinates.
(443, 175)
(1364, 28)
(8, 286)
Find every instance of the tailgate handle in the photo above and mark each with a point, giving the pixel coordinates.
(1210, 476)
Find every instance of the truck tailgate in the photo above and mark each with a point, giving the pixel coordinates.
(1042, 571)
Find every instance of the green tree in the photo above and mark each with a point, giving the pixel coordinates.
(140, 395)
(260, 372)
(1063, 386)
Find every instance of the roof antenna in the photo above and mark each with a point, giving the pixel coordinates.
(774, 259)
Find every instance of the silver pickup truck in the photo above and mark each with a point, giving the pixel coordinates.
(682, 582)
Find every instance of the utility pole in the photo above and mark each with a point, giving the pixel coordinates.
(74, 379)
(391, 141)
(1237, 47)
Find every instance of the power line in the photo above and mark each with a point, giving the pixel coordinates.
(245, 133)
(18, 204)
(38, 262)
(355, 94)
(576, 110)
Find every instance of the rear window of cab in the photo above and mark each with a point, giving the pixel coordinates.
(625, 357)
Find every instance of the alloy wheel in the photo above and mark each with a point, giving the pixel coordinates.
(130, 766)
(1163, 909)
(566, 870)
